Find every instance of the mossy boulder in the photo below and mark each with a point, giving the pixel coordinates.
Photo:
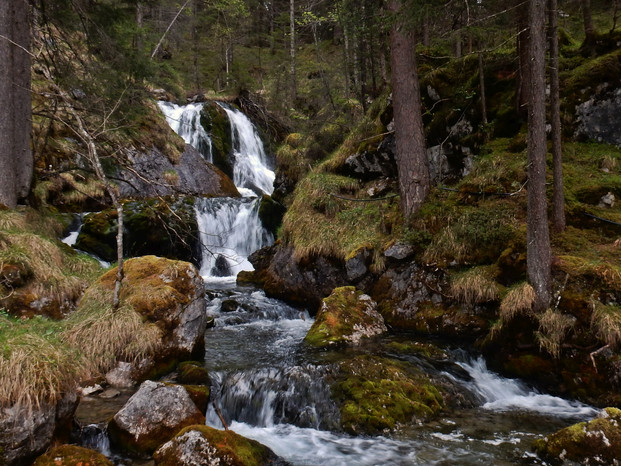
(152, 416)
(200, 396)
(345, 317)
(169, 294)
(200, 444)
(594, 442)
(271, 213)
(216, 122)
(72, 455)
(192, 373)
(380, 394)
(166, 228)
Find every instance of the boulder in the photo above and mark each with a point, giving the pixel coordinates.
(155, 413)
(170, 294)
(152, 174)
(72, 455)
(347, 316)
(599, 117)
(300, 283)
(162, 227)
(203, 445)
(594, 442)
(373, 162)
(27, 431)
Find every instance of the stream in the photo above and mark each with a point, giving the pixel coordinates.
(272, 388)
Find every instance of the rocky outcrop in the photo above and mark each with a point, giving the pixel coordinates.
(152, 174)
(594, 442)
(26, 432)
(207, 446)
(170, 294)
(72, 455)
(152, 416)
(162, 227)
(346, 317)
(301, 283)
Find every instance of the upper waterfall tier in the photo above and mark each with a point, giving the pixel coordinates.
(250, 163)
(186, 122)
(251, 166)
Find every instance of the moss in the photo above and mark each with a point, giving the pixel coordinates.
(378, 394)
(215, 121)
(231, 449)
(597, 441)
(193, 373)
(72, 455)
(200, 396)
(271, 213)
(346, 316)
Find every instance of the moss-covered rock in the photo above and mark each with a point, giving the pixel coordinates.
(193, 373)
(72, 455)
(271, 213)
(201, 444)
(165, 228)
(594, 442)
(377, 394)
(200, 396)
(345, 317)
(216, 122)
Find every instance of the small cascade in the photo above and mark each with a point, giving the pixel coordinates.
(296, 395)
(230, 231)
(501, 394)
(250, 163)
(96, 438)
(186, 122)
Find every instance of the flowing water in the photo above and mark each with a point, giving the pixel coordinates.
(270, 387)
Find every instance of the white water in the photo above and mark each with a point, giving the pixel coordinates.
(501, 394)
(186, 122)
(250, 162)
(230, 230)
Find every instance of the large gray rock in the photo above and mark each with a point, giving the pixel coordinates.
(153, 174)
(26, 432)
(152, 416)
(599, 118)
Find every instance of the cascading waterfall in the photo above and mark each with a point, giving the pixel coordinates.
(186, 122)
(230, 231)
(250, 162)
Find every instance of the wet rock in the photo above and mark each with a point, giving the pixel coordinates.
(207, 446)
(271, 213)
(347, 316)
(221, 268)
(152, 416)
(300, 283)
(373, 162)
(193, 373)
(166, 228)
(27, 431)
(72, 455)
(121, 376)
(153, 174)
(594, 442)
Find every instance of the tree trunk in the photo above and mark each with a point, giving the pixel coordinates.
(294, 88)
(482, 89)
(15, 119)
(558, 200)
(589, 29)
(411, 154)
(538, 254)
(522, 85)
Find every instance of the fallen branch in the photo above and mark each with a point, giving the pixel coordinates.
(219, 413)
(595, 353)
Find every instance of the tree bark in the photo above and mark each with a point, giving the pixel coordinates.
(589, 29)
(558, 200)
(411, 154)
(538, 254)
(16, 157)
(522, 85)
(482, 89)
(293, 78)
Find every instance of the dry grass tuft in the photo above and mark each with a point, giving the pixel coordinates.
(606, 323)
(474, 286)
(105, 336)
(518, 301)
(553, 326)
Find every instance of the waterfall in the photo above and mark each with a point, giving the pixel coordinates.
(501, 394)
(186, 122)
(230, 231)
(250, 163)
